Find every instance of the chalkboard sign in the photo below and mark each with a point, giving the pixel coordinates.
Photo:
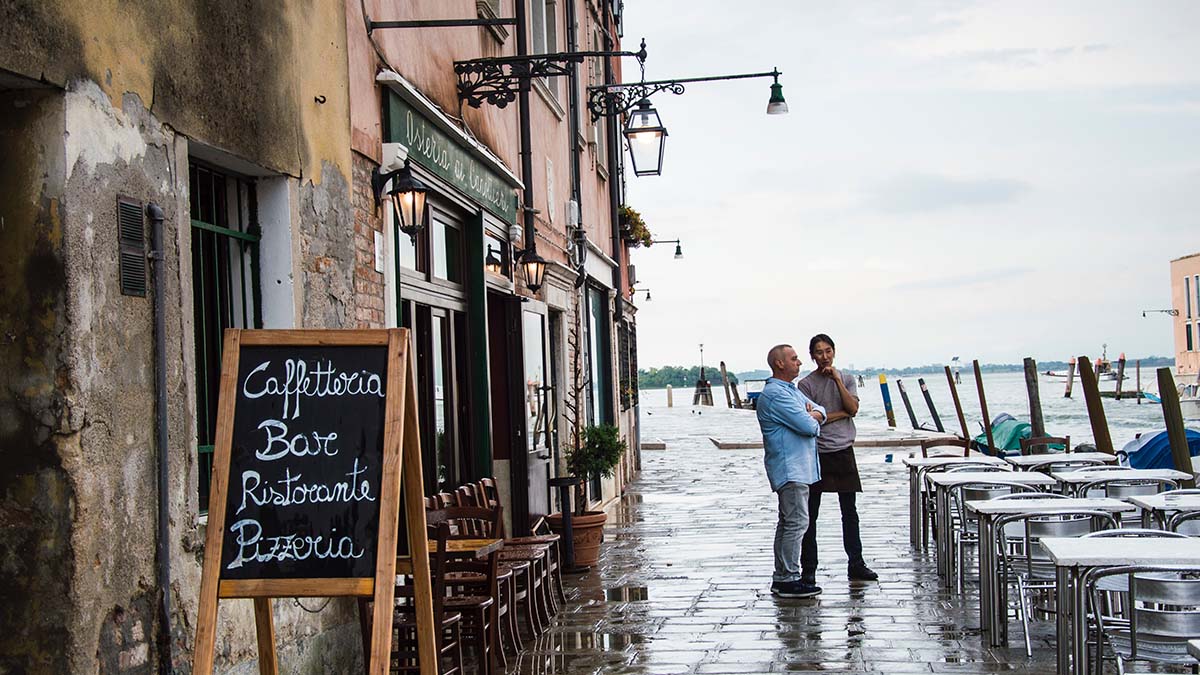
(305, 463)
(316, 432)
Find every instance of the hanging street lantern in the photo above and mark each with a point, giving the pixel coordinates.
(493, 262)
(647, 138)
(678, 251)
(776, 105)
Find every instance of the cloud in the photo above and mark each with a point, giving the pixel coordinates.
(920, 192)
(1007, 274)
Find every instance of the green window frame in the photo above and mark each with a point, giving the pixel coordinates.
(226, 292)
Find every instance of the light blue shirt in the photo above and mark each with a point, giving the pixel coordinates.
(789, 434)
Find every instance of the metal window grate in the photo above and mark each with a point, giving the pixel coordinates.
(226, 292)
(131, 247)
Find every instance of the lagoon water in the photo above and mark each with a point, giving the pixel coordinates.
(1005, 394)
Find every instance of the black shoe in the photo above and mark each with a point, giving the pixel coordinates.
(794, 589)
(862, 573)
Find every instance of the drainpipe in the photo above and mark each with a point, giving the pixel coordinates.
(526, 134)
(614, 158)
(573, 110)
(158, 260)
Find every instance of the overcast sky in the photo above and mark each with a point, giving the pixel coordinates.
(991, 180)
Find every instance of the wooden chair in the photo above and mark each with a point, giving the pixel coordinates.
(404, 656)
(1028, 444)
(474, 583)
(929, 444)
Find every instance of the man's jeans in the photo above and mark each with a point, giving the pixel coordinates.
(851, 539)
(793, 523)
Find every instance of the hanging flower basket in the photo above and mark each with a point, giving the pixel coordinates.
(633, 228)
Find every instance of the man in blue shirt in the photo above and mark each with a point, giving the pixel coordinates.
(790, 424)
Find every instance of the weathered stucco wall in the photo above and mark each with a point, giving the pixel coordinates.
(262, 79)
(131, 85)
(77, 453)
(36, 495)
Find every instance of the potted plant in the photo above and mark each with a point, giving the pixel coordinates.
(633, 227)
(596, 456)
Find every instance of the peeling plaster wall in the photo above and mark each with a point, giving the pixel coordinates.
(36, 494)
(78, 462)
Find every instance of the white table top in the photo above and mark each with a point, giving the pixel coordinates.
(1029, 460)
(1085, 476)
(1164, 501)
(1194, 648)
(1071, 551)
(916, 462)
(1002, 506)
(1007, 477)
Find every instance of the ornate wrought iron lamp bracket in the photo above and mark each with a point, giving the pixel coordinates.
(498, 80)
(613, 100)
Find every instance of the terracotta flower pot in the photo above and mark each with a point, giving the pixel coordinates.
(587, 533)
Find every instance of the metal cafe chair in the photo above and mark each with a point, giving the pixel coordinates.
(1028, 444)
(1162, 614)
(1027, 565)
(965, 526)
(1120, 488)
(1185, 522)
(929, 504)
(1065, 464)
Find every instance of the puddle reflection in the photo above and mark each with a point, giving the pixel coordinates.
(627, 594)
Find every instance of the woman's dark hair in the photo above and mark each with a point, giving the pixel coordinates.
(819, 337)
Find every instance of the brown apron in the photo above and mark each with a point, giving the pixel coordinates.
(839, 472)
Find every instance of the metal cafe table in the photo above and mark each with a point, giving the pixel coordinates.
(1074, 556)
(1025, 461)
(1071, 480)
(1155, 508)
(942, 484)
(993, 589)
(917, 466)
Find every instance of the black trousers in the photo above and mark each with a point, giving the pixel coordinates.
(851, 539)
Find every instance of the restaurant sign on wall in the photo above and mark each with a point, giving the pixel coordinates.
(437, 151)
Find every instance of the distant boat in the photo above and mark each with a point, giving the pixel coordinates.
(1102, 367)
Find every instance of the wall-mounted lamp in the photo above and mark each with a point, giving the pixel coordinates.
(534, 266)
(407, 194)
(678, 246)
(492, 262)
(1169, 312)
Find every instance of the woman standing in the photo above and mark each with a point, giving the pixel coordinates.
(828, 387)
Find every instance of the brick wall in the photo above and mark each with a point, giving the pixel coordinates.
(368, 284)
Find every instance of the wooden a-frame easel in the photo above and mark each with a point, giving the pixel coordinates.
(401, 462)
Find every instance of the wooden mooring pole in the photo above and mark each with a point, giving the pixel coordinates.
(1138, 367)
(1095, 406)
(1173, 417)
(887, 401)
(937, 421)
(962, 419)
(987, 420)
(725, 381)
(1035, 398)
(1120, 374)
(1070, 377)
(912, 417)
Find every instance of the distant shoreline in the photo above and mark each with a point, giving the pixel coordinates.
(654, 378)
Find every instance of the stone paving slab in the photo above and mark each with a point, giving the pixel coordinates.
(684, 582)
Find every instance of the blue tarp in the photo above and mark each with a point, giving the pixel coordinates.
(1153, 450)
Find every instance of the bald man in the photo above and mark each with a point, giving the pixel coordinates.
(790, 424)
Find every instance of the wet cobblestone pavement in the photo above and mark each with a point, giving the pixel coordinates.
(684, 582)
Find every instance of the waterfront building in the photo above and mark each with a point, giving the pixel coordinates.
(1185, 298)
(255, 128)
